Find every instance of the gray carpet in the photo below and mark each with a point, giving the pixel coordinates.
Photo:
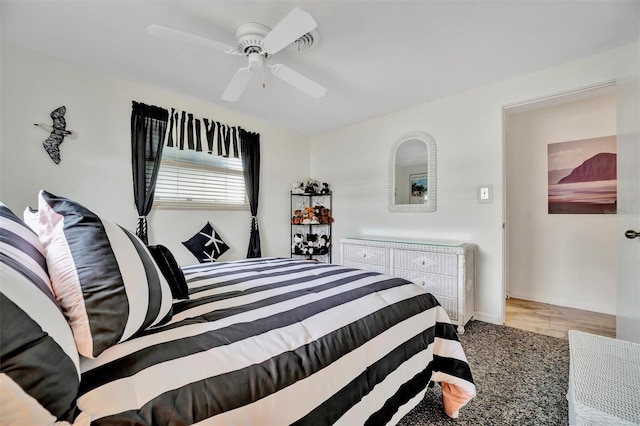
(521, 378)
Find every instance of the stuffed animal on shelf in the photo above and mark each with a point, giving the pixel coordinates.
(322, 244)
(298, 188)
(325, 216)
(309, 217)
(312, 186)
(325, 189)
(298, 245)
(297, 217)
(312, 243)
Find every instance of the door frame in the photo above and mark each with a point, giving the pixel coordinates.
(533, 103)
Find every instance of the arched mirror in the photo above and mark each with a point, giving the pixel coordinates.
(412, 173)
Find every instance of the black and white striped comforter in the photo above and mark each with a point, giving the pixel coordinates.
(280, 341)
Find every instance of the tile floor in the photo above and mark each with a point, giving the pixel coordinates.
(556, 321)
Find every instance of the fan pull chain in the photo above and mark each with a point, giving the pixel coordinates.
(264, 84)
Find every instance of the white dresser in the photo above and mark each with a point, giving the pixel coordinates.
(445, 270)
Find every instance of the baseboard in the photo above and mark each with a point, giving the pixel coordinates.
(568, 303)
(493, 319)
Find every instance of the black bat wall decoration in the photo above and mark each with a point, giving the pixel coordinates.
(58, 132)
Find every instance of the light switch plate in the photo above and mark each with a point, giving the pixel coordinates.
(485, 194)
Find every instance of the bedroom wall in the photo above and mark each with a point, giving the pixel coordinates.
(468, 131)
(96, 167)
(562, 259)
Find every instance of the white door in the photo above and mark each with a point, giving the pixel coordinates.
(628, 286)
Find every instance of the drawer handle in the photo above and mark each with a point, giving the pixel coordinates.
(364, 254)
(423, 262)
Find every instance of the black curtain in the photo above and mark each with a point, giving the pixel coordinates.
(148, 127)
(250, 153)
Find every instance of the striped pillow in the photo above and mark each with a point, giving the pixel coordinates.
(171, 271)
(103, 276)
(40, 368)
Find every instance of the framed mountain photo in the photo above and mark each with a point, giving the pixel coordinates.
(582, 176)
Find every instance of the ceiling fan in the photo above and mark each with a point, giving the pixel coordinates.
(258, 43)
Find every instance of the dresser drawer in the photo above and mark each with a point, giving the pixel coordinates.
(437, 263)
(438, 285)
(368, 255)
(368, 267)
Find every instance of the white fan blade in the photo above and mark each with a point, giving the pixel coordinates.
(293, 26)
(298, 81)
(176, 35)
(237, 84)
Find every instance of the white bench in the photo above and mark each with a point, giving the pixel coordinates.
(604, 380)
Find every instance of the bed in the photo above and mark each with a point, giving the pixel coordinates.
(267, 341)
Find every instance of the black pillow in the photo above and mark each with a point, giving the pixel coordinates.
(171, 271)
(206, 245)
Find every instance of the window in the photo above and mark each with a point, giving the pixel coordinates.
(195, 179)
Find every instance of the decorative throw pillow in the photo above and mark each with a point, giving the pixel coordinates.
(40, 366)
(103, 276)
(206, 245)
(171, 271)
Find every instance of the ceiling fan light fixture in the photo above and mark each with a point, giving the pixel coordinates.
(256, 60)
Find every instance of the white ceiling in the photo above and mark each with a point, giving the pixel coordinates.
(375, 57)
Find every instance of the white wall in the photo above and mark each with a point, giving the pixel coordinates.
(468, 132)
(96, 171)
(96, 167)
(562, 259)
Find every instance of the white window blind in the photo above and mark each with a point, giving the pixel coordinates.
(195, 179)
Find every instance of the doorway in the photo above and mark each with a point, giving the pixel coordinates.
(557, 260)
